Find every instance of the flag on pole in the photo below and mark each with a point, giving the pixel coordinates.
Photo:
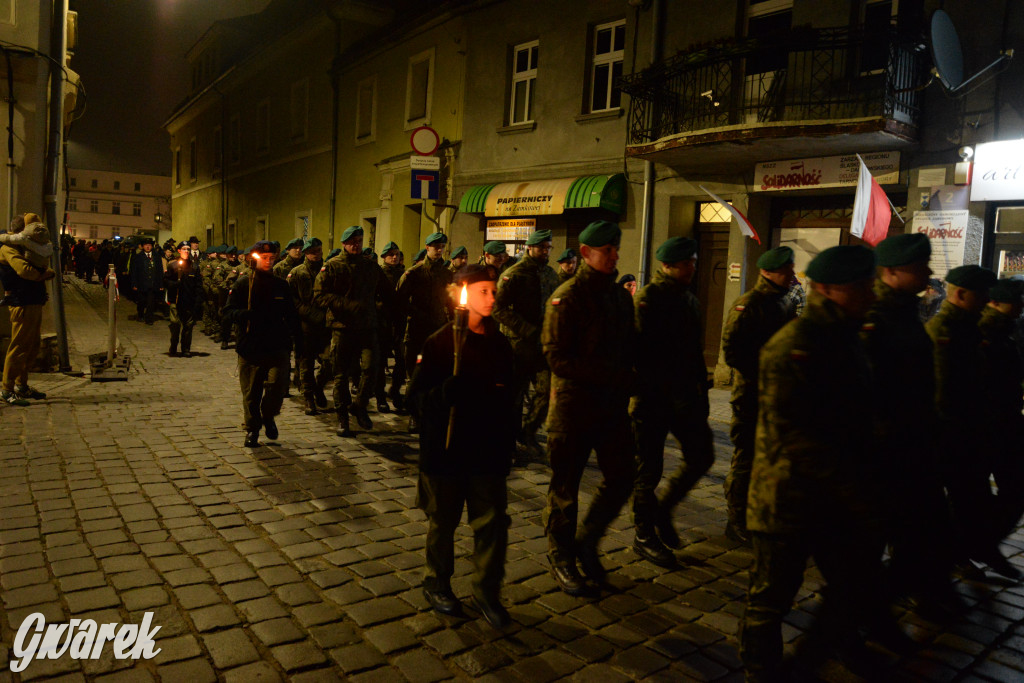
(745, 227)
(871, 208)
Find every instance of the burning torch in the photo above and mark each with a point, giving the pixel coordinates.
(459, 334)
(256, 257)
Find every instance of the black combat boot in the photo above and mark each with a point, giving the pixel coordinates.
(173, 351)
(310, 402)
(343, 428)
(382, 405)
(362, 417)
(318, 396)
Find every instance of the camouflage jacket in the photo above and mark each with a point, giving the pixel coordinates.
(285, 266)
(589, 343)
(564, 276)
(671, 372)
(959, 383)
(753, 318)
(302, 280)
(523, 290)
(423, 297)
(394, 274)
(903, 370)
(810, 466)
(348, 288)
(1004, 374)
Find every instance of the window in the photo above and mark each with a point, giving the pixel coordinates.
(94, 206)
(606, 65)
(115, 231)
(524, 75)
(366, 109)
(115, 208)
(192, 163)
(136, 209)
(218, 151)
(177, 166)
(419, 88)
(117, 184)
(299, 109)
(93, 183)
(263, 127)
(138, 187)
(879, 18)
(74, 181)
(769, 21)
(92, 232)
(234, 139)
(72, 204)
(74, 232)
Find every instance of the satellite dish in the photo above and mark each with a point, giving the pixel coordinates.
(948, 56)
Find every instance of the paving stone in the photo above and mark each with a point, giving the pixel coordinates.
(230, 648)
(199, 595)
(232, 572)
(296, 594)
(257, 672)
(420, 666)
(214, 617)
(391, 637)
(77, 582)
(379, 610)
(192, 670)
(639, 662)
(355, 658)
(277, 631)
(317, 614)
(92, 599)
(261, 609)
(301, 655)
(177, 649)
(144, 598)
(591, 648)
(245, 590)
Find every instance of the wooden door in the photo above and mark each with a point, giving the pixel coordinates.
(712, 274)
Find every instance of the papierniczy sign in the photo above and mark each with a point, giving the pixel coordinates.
(841, 171)
(81, 639)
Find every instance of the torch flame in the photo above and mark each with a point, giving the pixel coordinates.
(463, 296)
(181, 262)
(256, 255)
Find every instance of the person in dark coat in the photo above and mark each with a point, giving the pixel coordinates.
(261, 306)
(470, 471)
(185, 297)
(147, 281)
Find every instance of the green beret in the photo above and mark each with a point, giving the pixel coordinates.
(223, 248)
(774, 259)
(494, 248)
(468, 275)
(368, 251)
(567, 255)
(312, 243)
(275, 245)
(214, 250)
(350, 232)
(334, 252)
(600, 234)
(388, 247)
(294, 244)
(899, 250)
(461, 251)
(232, 250)
(538, 237)
(436, 238)
(675, 249)
(842, 265)
(1006, 291)
(972, 277)
(419, 255)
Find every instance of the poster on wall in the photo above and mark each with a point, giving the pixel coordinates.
(947, 231)
(816, 173)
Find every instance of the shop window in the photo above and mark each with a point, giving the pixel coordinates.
(366, 109)
(609, 41)
(74, 181)
(419, 88)
(524, 78)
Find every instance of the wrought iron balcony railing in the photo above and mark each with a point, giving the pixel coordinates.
(818, 75)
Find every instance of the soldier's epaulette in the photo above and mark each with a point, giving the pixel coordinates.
(555, 302)
(799, 354)
(741, 307)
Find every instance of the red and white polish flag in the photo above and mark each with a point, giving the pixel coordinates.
(871, 208)
(745, 226)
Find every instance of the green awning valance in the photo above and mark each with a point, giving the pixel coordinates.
(546, 197)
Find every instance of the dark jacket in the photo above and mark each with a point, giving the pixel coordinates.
(184, 285)
(423, 298)
(147, 273)
(348, 288)
(523, 290)
(483, 439)
(23, 283)
(1004, 373)
(267, 327)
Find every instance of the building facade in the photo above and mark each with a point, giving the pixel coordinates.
(104, 205)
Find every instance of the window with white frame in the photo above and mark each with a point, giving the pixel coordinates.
(366, 109)
(136, 209)
(263, 127)
(218, 148)
(235, 139)
(72, 204)
(609, 41)
(299, 109)
(419, 88)
(93, 231)
(115, 231)
(94, 206)
(115, 208)
(193, 165)
(524, 77)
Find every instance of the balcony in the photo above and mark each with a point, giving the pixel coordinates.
(812, 92)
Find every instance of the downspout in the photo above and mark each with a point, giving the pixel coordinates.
(224, 124)
(335, 73)
(57, 51)
(650, 176)
(10, 137)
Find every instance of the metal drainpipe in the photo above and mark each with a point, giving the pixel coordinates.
(650, 176)
(224, 125)
(59, 9)
(335, 114)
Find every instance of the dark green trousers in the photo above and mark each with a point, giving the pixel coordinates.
(354, 349)
(315, 340)
(264, 384)
(442, 498)
(737, 482)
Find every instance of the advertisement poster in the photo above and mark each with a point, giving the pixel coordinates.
(947, 231)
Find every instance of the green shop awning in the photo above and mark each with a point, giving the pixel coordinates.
(547, 197)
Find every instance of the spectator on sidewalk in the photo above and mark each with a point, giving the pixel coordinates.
(147, 281)
(24, 270)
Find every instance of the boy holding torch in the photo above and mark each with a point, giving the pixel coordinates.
(462, 394)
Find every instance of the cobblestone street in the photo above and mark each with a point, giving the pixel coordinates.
(301, 560)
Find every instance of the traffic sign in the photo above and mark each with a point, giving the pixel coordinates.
(422, 163)
(424, 184)
(425, 140)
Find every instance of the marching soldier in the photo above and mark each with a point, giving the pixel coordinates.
(523, 290)
(459, 257)
(809, 487)
(588, 341)
(209, 291)
(496, 254)
(671, 396)
(347, 288)
(184, 286)
(293, 257)
(567, 262)
(753, 319)
(391, 344)
(223, 278)
(302, 280)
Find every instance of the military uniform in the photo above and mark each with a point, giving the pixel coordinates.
(206, 271)
(285, 266)
(519, 306)
(316, 336)
(589, 343)
(753, 319)
(184, 286)
(423, 298)
(391, 342)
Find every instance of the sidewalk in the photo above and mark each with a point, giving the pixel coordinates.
(301, 560)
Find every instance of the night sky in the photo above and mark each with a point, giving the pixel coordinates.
(131, 58)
